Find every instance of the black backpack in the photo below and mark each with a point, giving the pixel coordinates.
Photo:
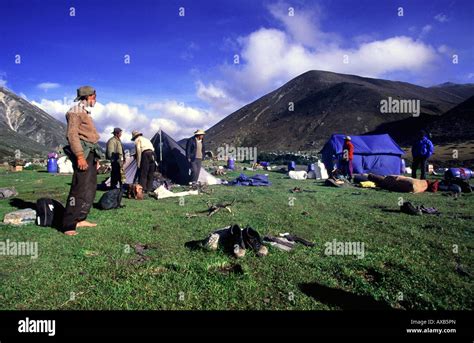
(49, 213)
(111, 199)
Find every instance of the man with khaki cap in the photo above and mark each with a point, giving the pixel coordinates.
(145, 155)
(195, 153)
(116, 157)
(84, 153)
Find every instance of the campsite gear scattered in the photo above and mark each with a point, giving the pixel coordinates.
(291, 166)
(433, 185)
(321, 171)
(408, 208)
(237, 241)
(298, 175)
(463, 184)
(429, 210)
(440, 171)
(367, 184)
(377, 154)
(333, 182)
(20, 217)
(49, 213)
(458, 173)
(65, 165)
(396, 183)
(253, 241)
(358, 178)
(111, 199)
(162, 193)
(212, 209)
(311, 167)
(265, 164)
(449, 187)
(16, 165)
(255, 180)
(294, 238)
(135, 191)
(219, 171)
(232, 239)
(279, 242)
(403, 167)
(9, 192)
(231, 164)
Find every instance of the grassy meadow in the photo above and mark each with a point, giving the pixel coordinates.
(410, 262)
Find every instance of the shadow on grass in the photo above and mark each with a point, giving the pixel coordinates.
(22, 204)
(343, 299)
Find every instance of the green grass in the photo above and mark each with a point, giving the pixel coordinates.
(408, 256)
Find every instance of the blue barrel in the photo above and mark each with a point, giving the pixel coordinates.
(231, 164)
(311, 167)
(291, 166)
(52, 165)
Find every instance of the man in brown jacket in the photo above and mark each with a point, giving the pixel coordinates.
(84, 153)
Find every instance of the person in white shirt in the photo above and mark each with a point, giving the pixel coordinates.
(145, 153)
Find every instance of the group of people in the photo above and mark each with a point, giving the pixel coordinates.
(421, 150)
(85, 153)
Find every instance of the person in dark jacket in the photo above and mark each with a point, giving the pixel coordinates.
(195, 153)
(421, 150)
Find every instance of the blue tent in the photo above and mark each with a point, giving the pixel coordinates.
(377, 154)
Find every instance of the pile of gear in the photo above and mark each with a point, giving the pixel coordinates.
(234, 240)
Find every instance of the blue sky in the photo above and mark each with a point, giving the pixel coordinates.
(181, 74)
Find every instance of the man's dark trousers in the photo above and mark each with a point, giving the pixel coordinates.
(115, 175)
(82, 194)
(419, 162)
(147, 169)
(195, 169)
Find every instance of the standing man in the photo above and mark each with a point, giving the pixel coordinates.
(421, 150)
(84, 153)
(195, 153)
(347, 157)
(116, 156)
(145, 154)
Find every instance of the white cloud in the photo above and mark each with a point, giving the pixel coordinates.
(176, 119)
(303, 25)
(445, 50)
(470, 76)
(269, 57)
(424, 31)
(3, 79)
(442, 18)
(47, 85)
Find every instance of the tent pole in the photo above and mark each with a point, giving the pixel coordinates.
(161, 154)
